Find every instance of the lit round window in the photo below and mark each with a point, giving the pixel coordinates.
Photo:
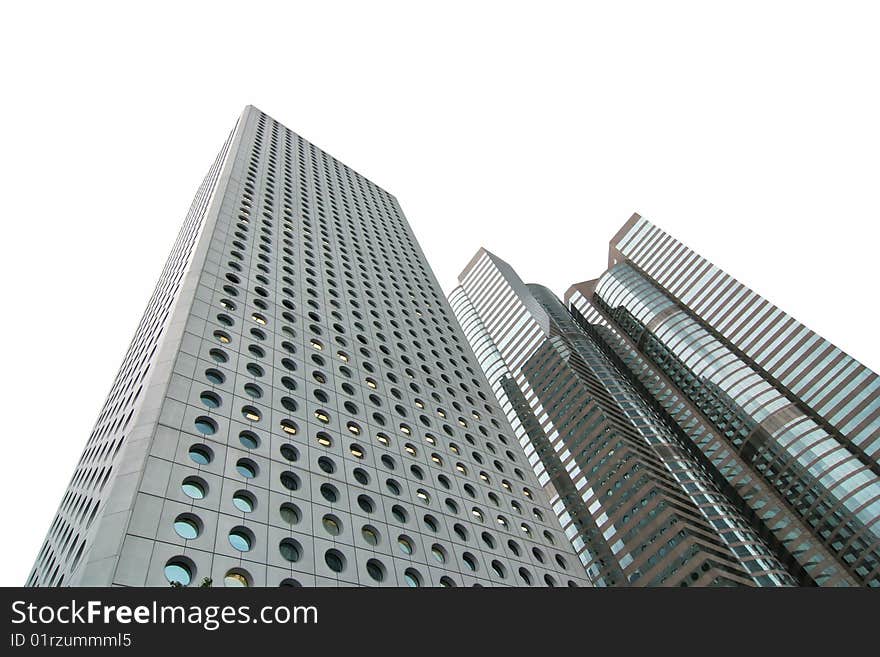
(439, 553)
(251, 414)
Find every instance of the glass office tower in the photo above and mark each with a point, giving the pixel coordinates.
(766, 424)
(637, 507)
(299, 406)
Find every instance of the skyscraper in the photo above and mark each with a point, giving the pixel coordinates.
(300, 407)
(689, 432)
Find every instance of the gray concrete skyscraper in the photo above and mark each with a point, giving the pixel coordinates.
(688, 431)
(299, 406)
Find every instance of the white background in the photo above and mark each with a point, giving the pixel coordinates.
(749, 132)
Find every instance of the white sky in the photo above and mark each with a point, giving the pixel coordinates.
(751, 134)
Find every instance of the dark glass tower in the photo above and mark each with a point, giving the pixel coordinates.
(765, 428)
(299, 407)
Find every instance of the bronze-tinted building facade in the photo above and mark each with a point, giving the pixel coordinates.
(666, 390)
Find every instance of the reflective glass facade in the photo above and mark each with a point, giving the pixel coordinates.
(638, 508)
(758, 420)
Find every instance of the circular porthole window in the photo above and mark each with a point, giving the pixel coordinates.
(187, 526)
(375, 570)
(251, 414)
(290, 550)
(249, 439)
(206, 425)
(290, 480)
(241, 538)
(215, 376)
(195, 487)
(370, 534)
(290, 513)
(289, 452)
(335, 560)
(329, 492)
(332, 524)
(201, 454)
(253, 390)
(246, 468)
(366, 504)
(236, 578)
(412, 578)
(180, 570)
(405, 544)
(244, 501)
(210, 399)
